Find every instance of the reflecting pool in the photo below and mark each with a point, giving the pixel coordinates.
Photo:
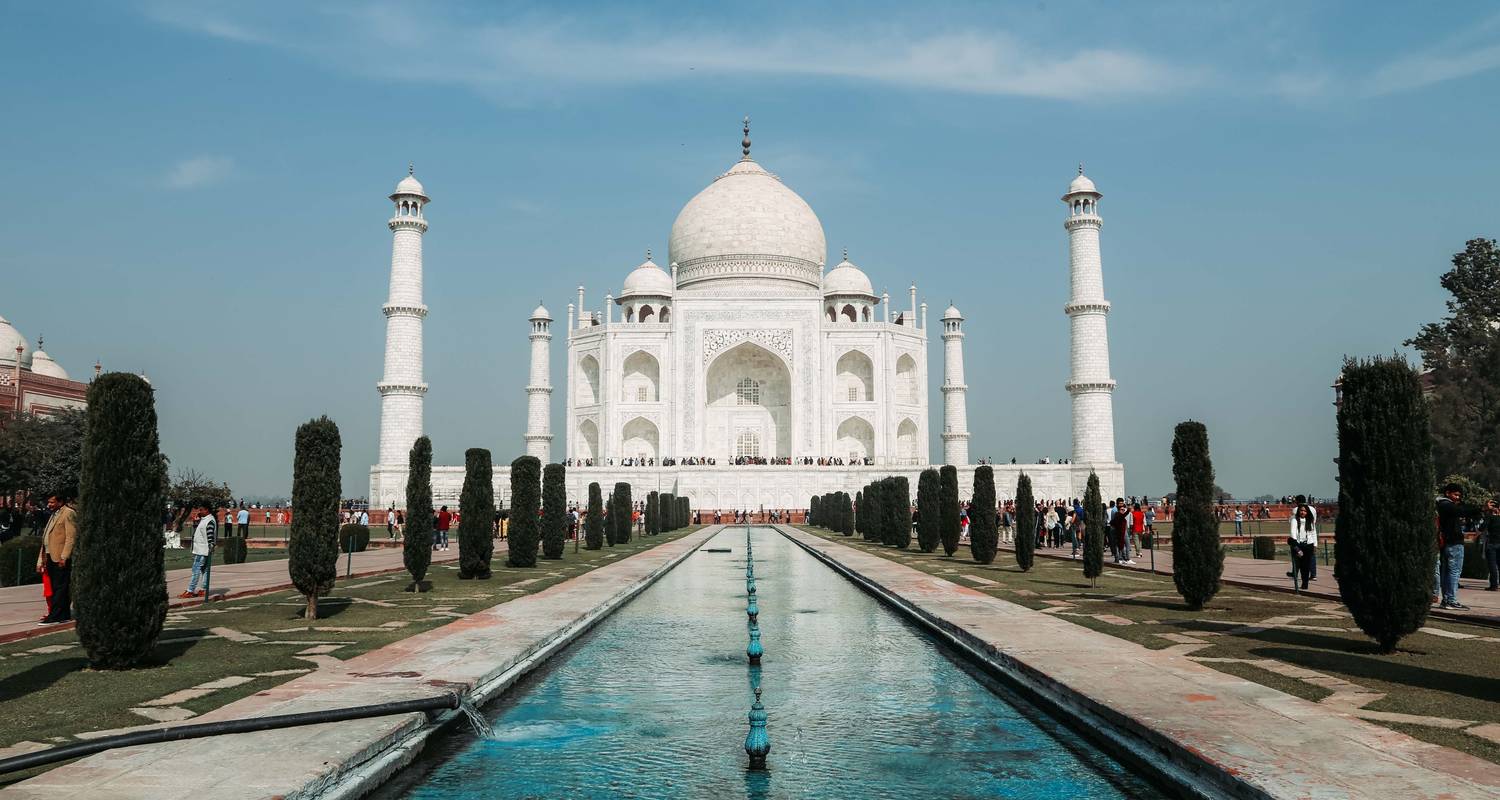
(652, 703)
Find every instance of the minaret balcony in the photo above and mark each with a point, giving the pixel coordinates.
(1083, 221)
(1106, 385)
(1087, 307)
(392, 387)
(408, 224)
(404, 310)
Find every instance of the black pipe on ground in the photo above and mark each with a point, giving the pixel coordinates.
(180, 732)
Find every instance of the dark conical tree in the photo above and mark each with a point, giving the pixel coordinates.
(313, 547)
(900, 512)
(667, 507)
(812, 511)
(554, 511)
(1197, 556)
(622, 520)
(951, 519)
(859, 511)
(525, 508)
(476, 516)
(1093, 531)
(593, 523)
(929, 519)
(1384, 540)
(416, 547)
(984, 537)
(687, 510)
(848, 512)
(611, 510)
(653, 500)
(875, 516)
(119, 583)
(1025, 544)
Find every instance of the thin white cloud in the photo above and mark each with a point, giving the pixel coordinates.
(1473, 51)
(191, 173)
(417, 42)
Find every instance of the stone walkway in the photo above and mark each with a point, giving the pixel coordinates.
(1257, 573)
(1247, 736)
(478, 654)
(22, 606)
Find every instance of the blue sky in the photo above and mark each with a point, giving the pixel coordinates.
(198, 193)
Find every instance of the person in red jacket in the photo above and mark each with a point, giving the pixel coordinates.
(444, 522)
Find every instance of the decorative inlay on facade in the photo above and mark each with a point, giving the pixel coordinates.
(749, 265)
(778, 340)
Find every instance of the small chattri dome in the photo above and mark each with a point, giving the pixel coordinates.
(847, 279)
(9, 338)
(42, 364)
(1081, 183)
(952, 312)
(410, 185)
(540, 312)
(647, 279)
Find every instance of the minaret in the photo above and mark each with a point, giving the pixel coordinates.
(401, 388)
(1090, 385)
(539, 388)
(955, 410)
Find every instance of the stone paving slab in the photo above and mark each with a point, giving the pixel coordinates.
(1263, 742)
(301, 762)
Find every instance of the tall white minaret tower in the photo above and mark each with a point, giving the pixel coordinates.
(1090, 385)
(955, 403)
(539, 388)
(401, 388)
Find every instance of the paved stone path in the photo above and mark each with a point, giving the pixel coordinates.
(1246, 733)
(1260, 574)
(479, 650)
(22, 606)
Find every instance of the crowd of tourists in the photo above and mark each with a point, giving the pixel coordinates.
(735, 461)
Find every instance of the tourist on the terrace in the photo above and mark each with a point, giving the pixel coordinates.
(390, 524)
(1451, 511)
(1492, 543)
(243, 520)
(1118, 525)
(1304, 541)
(444, 522)
(1137, 527)
(1239, 522)
(53, 561)
(204, 533)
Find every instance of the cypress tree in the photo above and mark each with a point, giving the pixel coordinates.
(874, 516)
(1384, 532)
(120, 586)
(611, 511)
(476, 515)
(554, 511)
(525, 504)
(313, 545)
(812, 511)
(1093, 531)
(622, 521)
(1197, 556)
(929, 522)
(687, 510)
(859, 511)
(951, 518)
(900, 511)
(416, 547)
(593, 523)
(667, 507)
(1025, 531)
(653, 513)
(848, 514)
(984, 538)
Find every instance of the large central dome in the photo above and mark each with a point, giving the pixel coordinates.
(747, 224)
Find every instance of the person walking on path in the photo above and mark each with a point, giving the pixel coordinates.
(1118, 524)
(390, 524)
(1451, 511)
(53, 561)
(1239, 522)
(243, 520)
(1303, 542)
(444, 521)
(1137, 527)
(204, 536)
(1492, 544)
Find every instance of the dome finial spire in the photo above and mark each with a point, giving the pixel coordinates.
(846, 254)
(745, 145)
(648, 254)
(1080, 168)
(411, 168)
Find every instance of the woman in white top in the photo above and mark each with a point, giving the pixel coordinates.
(1303, 541)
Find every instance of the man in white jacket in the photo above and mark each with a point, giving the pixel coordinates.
(204, 535)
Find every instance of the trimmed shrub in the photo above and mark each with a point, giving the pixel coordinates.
(1197, 555)
(812, 512)
(622, 520)
(668, 507)
(984, 537)
(1093, 531)
(1384, 540)
(593, 521)
(875, 516)
(900, 512)
(929, 524)
(951, 519)
(416, 544)
(859, 511)
(1263, 548)
(234, 549)
(18, 561)
(1026, 523)
(848, 514)
(313, 544)
(653, 510)
(554, 511)
(525, 527)
(687, 510)
(353, 538)
(119, 582)
(476, 516)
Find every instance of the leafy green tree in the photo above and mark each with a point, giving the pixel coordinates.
(476, 517)
(1025, 534)
(416, 545)
(191, 487)
(622, 520)
(313, 547)
(929, 521)
(593, 523)
(119, 582)
(984, 536)
(1093, 531)
(1462, 353)
(525, 505)
(42, 454)
(1197, 555)
(952, 515)
(1384, 541)
(554, 511)
(900, 512)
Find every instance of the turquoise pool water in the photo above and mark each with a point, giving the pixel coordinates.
(652, 704)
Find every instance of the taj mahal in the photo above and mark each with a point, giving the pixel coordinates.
(744, 374)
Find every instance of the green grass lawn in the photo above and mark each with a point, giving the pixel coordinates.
(1271, 638)
(48, 694)
(180, 559)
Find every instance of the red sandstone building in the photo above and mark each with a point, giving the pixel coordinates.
(31, 381)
